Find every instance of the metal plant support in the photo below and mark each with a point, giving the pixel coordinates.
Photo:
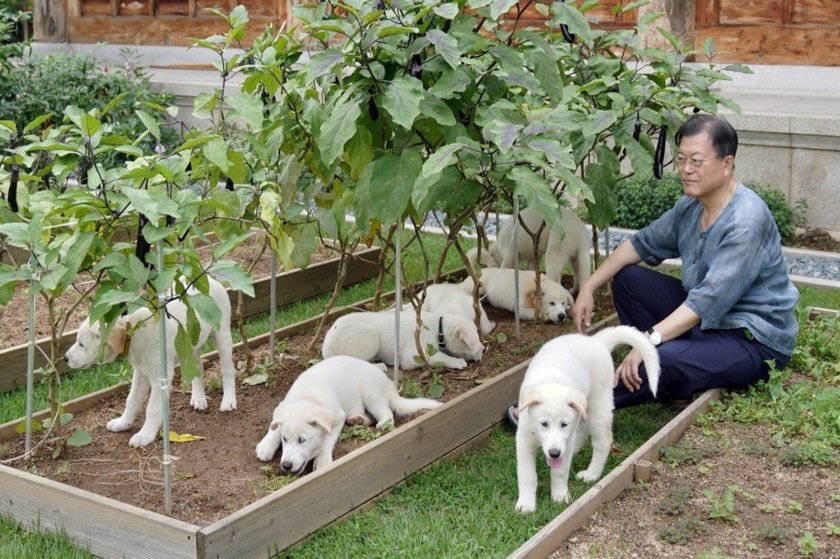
(272, 311)
(397, 302)
(164, 389)
(30, 362)
(515, 250)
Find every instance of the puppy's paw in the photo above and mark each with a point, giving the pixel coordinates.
(198, 401)
(228, 404)
(142, 439)
(358, 420)
(266, 450)
(458, 364)
(525, 505)
(118, 425)
(588, 476)
(560, 496)
(322, 461)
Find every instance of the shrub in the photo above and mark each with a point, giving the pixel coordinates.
(48, 84)
(638, 202)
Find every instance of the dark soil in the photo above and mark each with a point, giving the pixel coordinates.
(816, 239)
(220, 474)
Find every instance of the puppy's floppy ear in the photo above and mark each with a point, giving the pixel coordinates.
(116, 339)
(274, 426)
(579, 406)
(528, 397)
(323, 419)
(531, 294)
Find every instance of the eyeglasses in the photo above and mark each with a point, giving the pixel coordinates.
(693, 162)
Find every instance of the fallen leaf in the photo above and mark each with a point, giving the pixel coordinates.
(184, 438)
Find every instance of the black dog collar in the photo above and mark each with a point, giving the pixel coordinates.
(441, 339)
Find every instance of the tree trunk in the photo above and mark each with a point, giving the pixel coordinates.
(50, 21)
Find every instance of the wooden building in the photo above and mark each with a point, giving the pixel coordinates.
(804, 32)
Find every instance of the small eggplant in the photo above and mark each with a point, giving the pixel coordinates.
(637, 128)
(142, 247)
(373, 110)
(13, 185)
(659, 154)
(416, 66)
(229, 184)
(568, 36)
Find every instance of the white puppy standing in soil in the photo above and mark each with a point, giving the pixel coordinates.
(572, 248)
(370, 336)
(336, 391)
(498, 285)
(136, 336)
(567, 394)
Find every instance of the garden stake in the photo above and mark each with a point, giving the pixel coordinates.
(398, 301)
(516, 264)
(164, 385)
(30, 362)
(272, 303)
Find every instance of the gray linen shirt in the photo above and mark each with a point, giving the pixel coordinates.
(734, 272)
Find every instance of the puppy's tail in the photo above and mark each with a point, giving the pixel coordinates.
(407, 406)
(627, 335)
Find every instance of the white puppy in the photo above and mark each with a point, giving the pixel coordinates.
(137, 337)
(499, 286)
(335, 391)
(567, 394)
(570, 248)
(370, 336)
(449, 298)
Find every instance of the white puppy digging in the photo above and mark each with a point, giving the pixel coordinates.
(566, 395)
(142, 349)
(336, 391)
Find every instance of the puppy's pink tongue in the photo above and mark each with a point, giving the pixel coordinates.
(554, 463)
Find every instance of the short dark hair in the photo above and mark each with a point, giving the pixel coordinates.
(723, 135)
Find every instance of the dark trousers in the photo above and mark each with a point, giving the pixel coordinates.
(697, 360)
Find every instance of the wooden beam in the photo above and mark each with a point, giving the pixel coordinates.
(50, 21)
(707, 12)
(775, 44)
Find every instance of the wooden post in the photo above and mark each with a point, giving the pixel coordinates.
(50, 21)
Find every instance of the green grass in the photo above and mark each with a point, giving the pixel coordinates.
(461, 508)
(465, 507)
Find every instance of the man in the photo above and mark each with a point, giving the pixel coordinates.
(732, 314)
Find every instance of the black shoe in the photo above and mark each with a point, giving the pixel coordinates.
(513, 415)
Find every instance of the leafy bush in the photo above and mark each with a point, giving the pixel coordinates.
(638, 202)
(49, 84)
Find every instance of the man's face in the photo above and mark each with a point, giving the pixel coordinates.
(702, 172)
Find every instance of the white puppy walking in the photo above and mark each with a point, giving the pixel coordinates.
(137, 337)
(567, 394)
(570, 248)
(370, 336)
(338, 390)
(499, 286)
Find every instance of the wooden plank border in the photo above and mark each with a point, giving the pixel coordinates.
(103, 526)
(553, 534)
(291, 286)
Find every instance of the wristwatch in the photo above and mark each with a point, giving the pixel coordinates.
(655, 337)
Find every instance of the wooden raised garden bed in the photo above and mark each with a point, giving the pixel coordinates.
(110, 528)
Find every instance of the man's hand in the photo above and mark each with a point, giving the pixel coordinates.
(628, 372)
(582, 311)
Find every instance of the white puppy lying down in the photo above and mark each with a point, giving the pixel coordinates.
(370, 336)
(500, 289)
(572, 248)
(142, 348)
(567, 394)
(340, 389)
(449, 298)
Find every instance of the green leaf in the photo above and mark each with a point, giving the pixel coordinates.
(358, 152)
(206, 308)
(248, 108)
(446, 45)
(447, 11)
(450, 83)
(231, 275)
(440, 159)
(80, 437)
(500, 8)
(321, 64)
(217, 152)
(339, 127)
(402, 100)
(385, 188)
(538, 193)
(436, 390)
(150, 123)
(255, 379)
(190, 367)
(438, 110)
